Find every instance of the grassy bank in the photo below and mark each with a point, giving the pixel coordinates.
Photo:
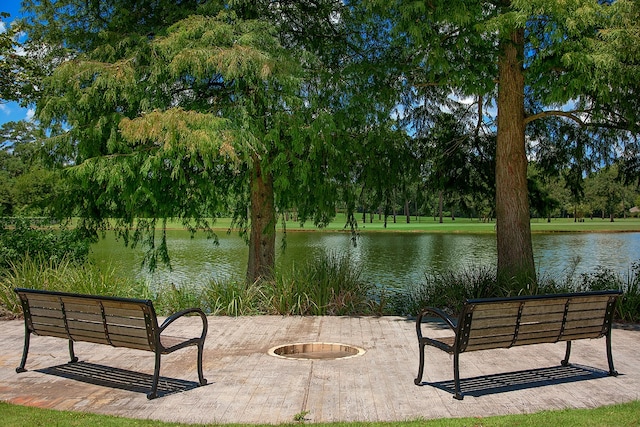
(459, 225)
(617, 415)
(328, 286)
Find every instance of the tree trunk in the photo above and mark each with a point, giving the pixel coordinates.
(262, 239)
(516, 266)
(407, 212)
(440, 197)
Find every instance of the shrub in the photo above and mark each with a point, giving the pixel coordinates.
(20, 239)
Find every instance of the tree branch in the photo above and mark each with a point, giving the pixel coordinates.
(621, 125)
(570, 115)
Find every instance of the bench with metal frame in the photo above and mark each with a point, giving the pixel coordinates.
(118, 322)
(490, 323)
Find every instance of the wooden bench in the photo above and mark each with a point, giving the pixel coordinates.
(506, 322)
(118, 322)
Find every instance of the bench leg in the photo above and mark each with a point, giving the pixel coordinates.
(201, 377)
(456, 376)
(612, 371)
(418, 380)
(72, 354)
(565, 361)
(25, 350)
(156, 376)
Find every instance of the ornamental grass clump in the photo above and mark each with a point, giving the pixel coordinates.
(232, 298)
(328, 285)
(64, 275)
(449, 289)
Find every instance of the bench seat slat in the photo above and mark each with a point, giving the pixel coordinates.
(137, 345)
(488, 345)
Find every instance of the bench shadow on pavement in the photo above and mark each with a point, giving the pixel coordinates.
(122, 379)
(520, 380)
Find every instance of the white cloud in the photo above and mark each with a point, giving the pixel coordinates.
(30, 114)
(5, 109)
(3, 27)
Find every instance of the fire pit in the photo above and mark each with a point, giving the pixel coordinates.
(316, 351)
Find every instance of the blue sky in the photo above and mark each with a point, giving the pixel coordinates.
(10, 111)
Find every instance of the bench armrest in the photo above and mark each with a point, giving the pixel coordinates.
(435, 312)
(169, 320)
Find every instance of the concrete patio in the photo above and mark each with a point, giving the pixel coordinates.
(247, 385)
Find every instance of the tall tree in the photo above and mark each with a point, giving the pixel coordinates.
(188, 117)
(535, 60)
(16, 70)
(28, 186)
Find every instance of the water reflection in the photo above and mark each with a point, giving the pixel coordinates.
(395, 259)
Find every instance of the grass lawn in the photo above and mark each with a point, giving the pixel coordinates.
(459, 225)
(627, 414)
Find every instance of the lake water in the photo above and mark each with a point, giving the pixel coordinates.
(395, 259)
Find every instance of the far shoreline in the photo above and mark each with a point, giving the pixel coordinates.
(448, 226)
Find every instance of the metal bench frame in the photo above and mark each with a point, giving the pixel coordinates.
(490, 323)
(119, 322)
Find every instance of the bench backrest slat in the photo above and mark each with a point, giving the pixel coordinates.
(506, 322)
(119, 322)
(51, 331)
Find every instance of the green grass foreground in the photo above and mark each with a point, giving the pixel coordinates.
(627, 414)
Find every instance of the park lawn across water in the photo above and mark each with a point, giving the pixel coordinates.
(459, 225)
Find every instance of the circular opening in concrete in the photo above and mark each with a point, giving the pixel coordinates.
(316, 351)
